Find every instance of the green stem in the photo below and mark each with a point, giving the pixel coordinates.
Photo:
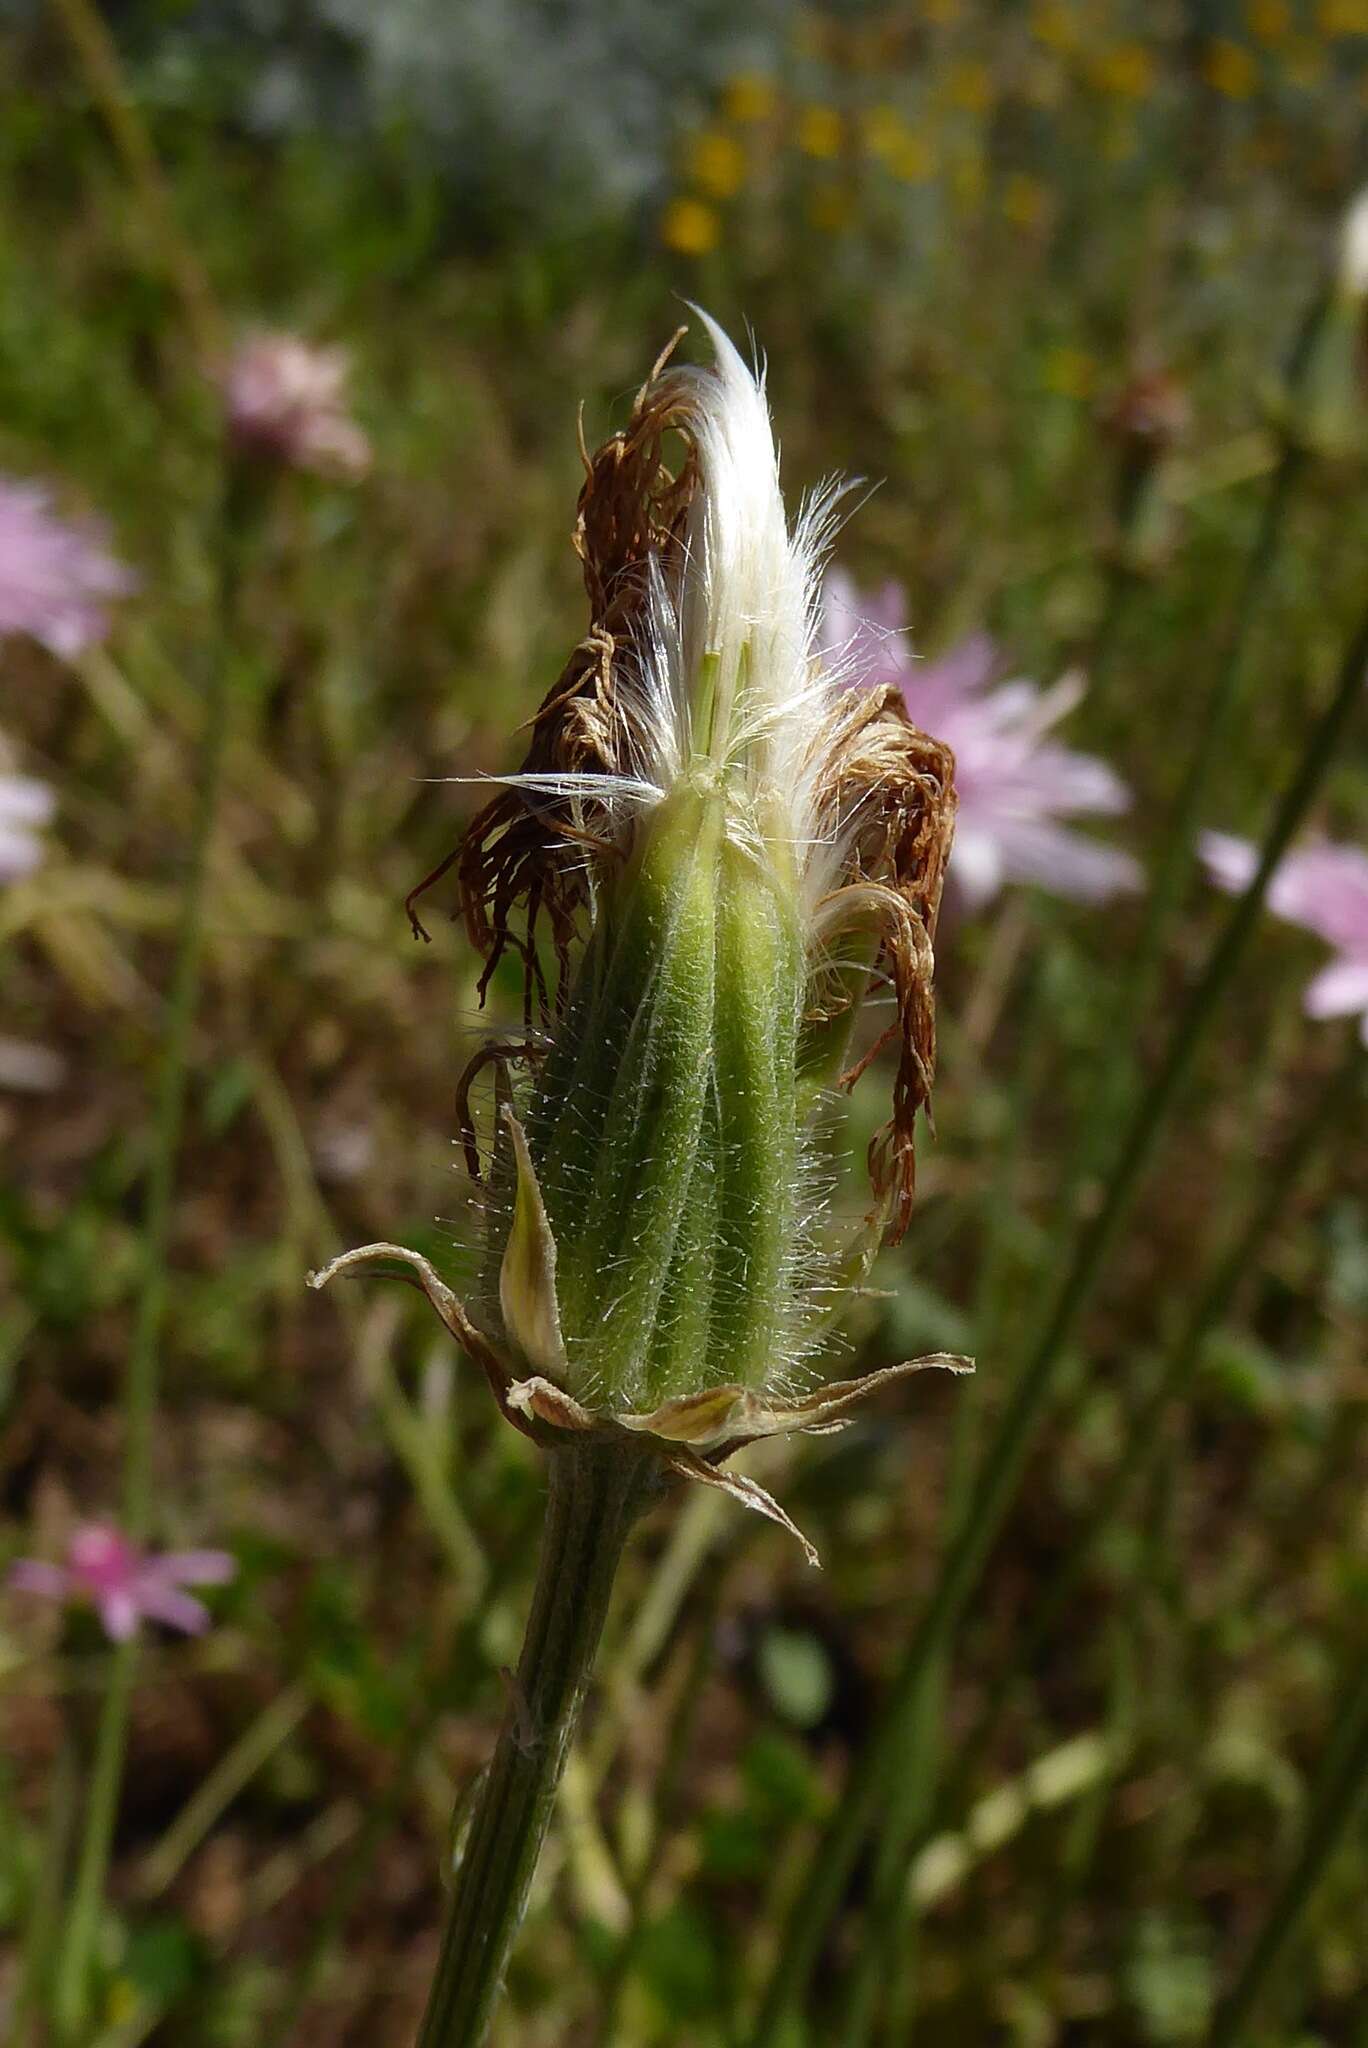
(663, 1800)
(140, 1385)
(1144, 1430)
(820, 1896)
(98, 57)
(893, 1912)
(1177, 841)
(596, 1492)
(1339, 1789)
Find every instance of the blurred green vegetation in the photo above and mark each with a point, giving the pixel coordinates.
(958, 232)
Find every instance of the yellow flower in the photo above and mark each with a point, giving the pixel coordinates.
(819, 133)
(1343, 17)
(942, 12)
(690, 226)
(1024, 200)
(969, 87)
(1304, 62)
(914, 160)
(121, 2001)
(1069, 372)
(1126, 72)
(1270, 21)
(969, 179)
(830, 208)
(748, 97)
(1230, 69)
(883, 131)
(716, 163)
(1053, 23)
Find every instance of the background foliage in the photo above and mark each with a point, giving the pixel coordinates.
(959, 233)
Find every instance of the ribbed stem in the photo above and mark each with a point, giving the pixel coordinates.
(596, 1492)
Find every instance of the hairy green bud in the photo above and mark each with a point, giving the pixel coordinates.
(714, 847)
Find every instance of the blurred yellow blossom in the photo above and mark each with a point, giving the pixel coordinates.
(942, 12)
(1230, 68)
(1053, 23)
(1270, 21)
(1126, 71)
(1024, 200)
(1342, 17)
(914, 160)
(716, 163)
(1069, 372)
(122, 2002)
(883, 131)
(749, 96)
(819, 133)
(969, 87)
(1304, 62)
(969, 178)
(690, 226)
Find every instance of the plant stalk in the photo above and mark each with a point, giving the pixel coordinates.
(1335, 1801)
(1144, 1428)
(596, 1492)
(144, 1357)
(1004, 1465)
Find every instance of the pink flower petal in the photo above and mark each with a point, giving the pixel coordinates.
(1338, 990)
(57, 577)
(176, 1609)
(193, 1567)
(119, 1612)
(1067, 863)
(1325, 888)
(1014, 784)
(47, 1581)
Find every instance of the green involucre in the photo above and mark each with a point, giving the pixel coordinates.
(665, 1132)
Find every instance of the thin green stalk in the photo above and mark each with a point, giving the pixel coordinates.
(820, 1896)
(893, 1908)
(662, 1805)
(1177, 842)
(1144, 1430)
(233, 1772)
(1335, 1801)
(44, 1910)
(98, 57)
(459, 1661)
(141, 1380)
(595, 1494)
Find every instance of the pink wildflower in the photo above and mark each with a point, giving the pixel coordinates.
(1324, 888)
(286, 402)
(1014, 783)
(126, 1585)
(57, 577)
